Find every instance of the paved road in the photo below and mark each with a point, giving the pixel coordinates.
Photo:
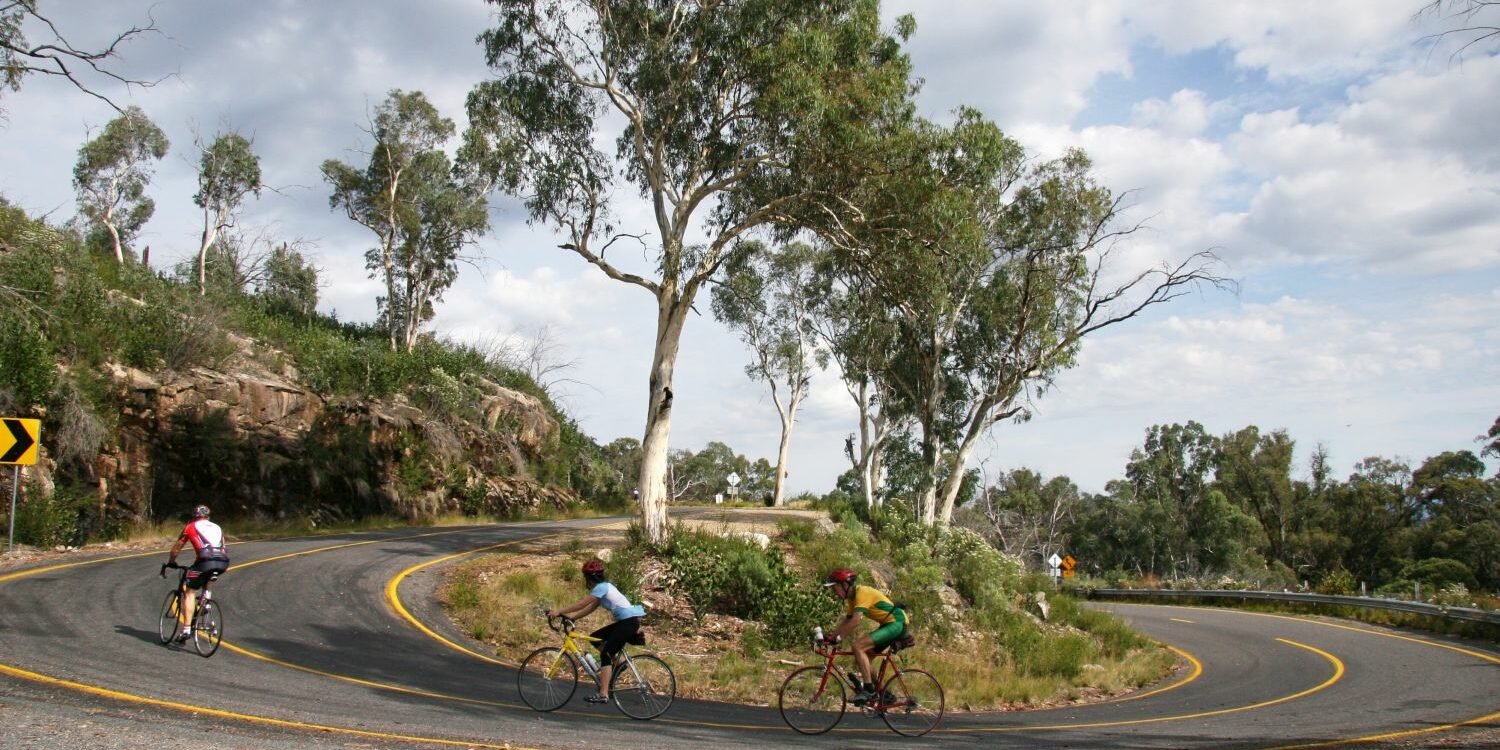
(337, 639)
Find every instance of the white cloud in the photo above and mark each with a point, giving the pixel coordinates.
(1351, 181)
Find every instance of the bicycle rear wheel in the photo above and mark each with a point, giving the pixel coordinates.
(643, 686)
(812, 700)
(918, 704)
(167, 627)
(547, 678)
(208, 628)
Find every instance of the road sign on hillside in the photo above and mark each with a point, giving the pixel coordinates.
(18, 440)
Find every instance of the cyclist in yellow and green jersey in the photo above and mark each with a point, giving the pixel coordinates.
(864, 602)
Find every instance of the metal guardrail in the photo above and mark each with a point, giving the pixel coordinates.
(1422, 608)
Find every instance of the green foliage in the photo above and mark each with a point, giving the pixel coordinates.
(48, 521)
(734, 576)
(1115, 639)
(796, 531)
(1338, 582)
(27, 367)
(291, 284)
(112, 173)
(421, 215)
(1438, 573)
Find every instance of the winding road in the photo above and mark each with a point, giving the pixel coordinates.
(340, 636)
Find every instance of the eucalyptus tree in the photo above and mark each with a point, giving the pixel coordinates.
(1192, 527)
(56, 55)
(112, 173)
(1255, 472)
(727, 113)
(766, 297)
(422, 214)
(1028, 516)
(859, 336)
(228, 172)
(994, 268)
(291, 282)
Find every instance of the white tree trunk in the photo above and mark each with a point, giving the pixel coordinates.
(784, 450)
(210, 233)
(657, 440)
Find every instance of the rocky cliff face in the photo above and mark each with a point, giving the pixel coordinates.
(250, 441)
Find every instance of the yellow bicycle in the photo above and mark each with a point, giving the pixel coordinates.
(642, 686)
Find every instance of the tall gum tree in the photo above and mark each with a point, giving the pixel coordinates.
(112, 173)
(421, 212)
(766, 297)
(728, 112)
(228, 172)
(992, 269)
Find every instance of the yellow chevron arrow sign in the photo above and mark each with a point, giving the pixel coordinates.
(19, 439)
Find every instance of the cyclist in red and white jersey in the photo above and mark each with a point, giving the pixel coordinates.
(211, 557)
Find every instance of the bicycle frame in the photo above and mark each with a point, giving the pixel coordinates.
(182, 571)
(641, 685)
(577, 643)
(887, 664)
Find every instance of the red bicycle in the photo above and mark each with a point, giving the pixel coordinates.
(813, 699)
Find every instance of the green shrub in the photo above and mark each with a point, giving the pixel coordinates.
(796, 530)
(27, 367)
(1338, 582)
(49, 521)
(1439, 572)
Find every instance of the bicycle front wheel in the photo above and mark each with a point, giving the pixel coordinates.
(918, 704)
(812, 700)
(167, 627)
(208, 628)
(547, 678)
(643, 686)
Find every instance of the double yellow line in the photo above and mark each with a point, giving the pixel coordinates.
(393, 598)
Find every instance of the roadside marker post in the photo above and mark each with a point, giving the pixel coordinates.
(18, 447)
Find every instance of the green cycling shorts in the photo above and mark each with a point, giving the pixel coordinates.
(884, 634)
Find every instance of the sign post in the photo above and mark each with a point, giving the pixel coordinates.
(18, 447)
(734, 484)
(1052, 567)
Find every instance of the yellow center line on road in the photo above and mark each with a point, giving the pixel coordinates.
(96, 690)
(1476, 721)
(252, 718)
(1338, 674)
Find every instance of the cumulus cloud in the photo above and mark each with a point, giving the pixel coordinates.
(1347, 175)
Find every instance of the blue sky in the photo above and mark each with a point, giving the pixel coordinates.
(1347, 175)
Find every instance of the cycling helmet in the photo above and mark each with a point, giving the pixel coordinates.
(593, 570)
(841, 575)
(200, 511)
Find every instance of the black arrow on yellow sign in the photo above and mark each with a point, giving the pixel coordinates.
(18, 440)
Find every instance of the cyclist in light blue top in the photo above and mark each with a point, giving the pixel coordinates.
(625, 629)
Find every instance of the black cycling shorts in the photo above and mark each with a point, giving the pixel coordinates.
(204, 571)
(615, 635)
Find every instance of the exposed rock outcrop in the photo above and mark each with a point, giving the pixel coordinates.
(257, 443)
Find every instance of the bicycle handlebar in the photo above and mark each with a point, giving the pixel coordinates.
(171, 565)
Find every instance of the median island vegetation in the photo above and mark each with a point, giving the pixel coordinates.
(733, 597)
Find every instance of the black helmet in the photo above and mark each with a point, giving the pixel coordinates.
(200, 511)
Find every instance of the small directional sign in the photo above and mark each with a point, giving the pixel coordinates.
(18, 440)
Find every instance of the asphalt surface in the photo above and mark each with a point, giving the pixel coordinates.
(337, 642)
